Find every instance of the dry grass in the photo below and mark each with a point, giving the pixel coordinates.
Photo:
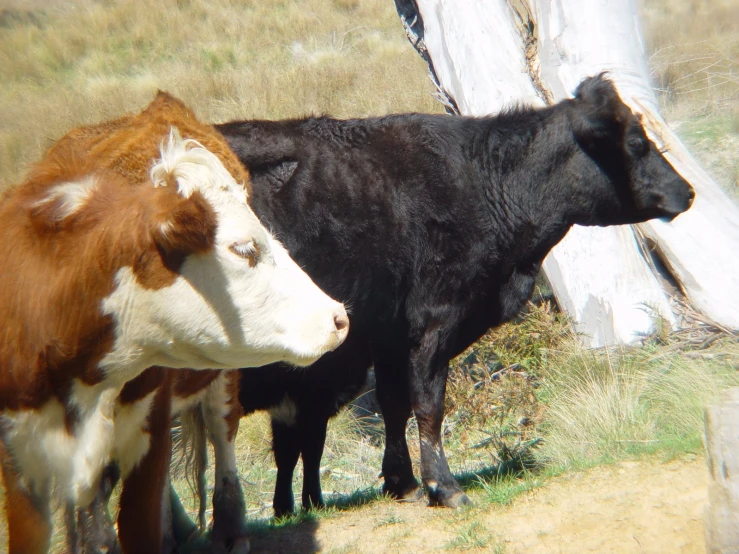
(693, 50)
(67, 64)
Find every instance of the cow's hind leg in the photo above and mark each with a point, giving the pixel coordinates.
(312, 433)
(429, 369)
(286, 449)
(393, 396)
(27, 511)
(222, 411)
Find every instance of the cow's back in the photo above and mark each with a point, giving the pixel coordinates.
(364, 206)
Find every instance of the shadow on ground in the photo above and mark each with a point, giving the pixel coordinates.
(298, 533)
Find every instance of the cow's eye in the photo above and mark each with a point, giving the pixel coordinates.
(249, 250)
(638, 146)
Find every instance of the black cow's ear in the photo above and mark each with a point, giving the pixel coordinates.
(598, 93)
(598, 112)
(275, 174)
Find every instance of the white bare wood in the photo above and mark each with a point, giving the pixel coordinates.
(491, 54)
(722, 454)
(579, 38)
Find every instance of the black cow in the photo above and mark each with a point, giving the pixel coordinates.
(431, 228)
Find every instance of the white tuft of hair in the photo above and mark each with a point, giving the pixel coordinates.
(194, 168)
(70, 195)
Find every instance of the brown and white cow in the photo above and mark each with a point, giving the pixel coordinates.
(131, 245)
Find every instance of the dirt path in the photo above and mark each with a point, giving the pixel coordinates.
(628, 507)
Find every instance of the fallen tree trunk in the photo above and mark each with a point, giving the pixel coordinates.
(486, 55)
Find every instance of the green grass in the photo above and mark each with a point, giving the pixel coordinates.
(390, 520)
(616, 404)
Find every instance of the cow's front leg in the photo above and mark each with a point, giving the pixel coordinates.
(27, 511)
(428, 374)
(222, 411)
(145, 479)
(392, 394)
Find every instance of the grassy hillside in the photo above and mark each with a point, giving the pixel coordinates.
(68, 63)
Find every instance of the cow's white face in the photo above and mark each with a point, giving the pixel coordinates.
(242, 302)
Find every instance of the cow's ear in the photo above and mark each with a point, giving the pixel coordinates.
(273, 174)
(598, 113)
(184, 226)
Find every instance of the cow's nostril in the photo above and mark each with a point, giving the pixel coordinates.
(341, 321)
(691, 198)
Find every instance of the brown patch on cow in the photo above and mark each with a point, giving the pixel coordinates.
(188, 382)
(183, 229)
(146, 383)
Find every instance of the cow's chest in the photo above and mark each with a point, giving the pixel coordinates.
(499, 300)
(47, 448)
(514, 292)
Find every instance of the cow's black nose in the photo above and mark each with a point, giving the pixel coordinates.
(691, 196)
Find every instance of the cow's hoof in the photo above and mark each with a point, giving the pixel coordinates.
(413, 496)
(448, 499)
(239, 546)
(409, 492)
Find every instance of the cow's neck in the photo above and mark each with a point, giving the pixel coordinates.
(529, 193)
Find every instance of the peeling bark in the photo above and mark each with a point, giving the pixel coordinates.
(527, 28)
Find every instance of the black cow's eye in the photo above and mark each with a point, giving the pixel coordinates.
(249, 250)
(638, 146)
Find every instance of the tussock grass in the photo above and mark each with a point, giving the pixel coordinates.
(473, 536)
(622, 402)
